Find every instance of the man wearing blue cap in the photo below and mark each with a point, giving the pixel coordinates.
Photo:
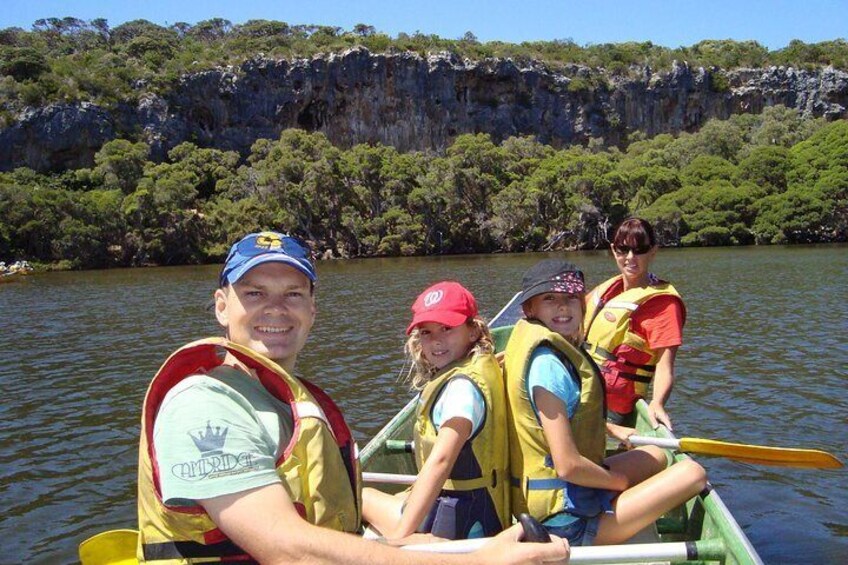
(240, 460)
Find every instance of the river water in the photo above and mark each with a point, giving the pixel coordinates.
(765, 361)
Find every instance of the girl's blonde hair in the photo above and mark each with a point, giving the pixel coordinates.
(422, 370)
(578, 339)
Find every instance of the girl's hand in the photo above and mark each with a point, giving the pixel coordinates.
(621, 433)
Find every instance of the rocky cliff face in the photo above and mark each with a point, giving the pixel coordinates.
(414, 103)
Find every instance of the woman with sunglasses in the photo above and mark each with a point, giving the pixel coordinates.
(634, 325)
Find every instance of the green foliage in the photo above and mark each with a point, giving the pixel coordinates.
(719, 82)
(766, 167)
(120, 164)
(23, 63)
(795, 216)
(707, 167)
(697, 189)
(727, 54)
(76, 60)
(809, 55)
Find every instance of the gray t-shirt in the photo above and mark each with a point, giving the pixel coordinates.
(218, 433)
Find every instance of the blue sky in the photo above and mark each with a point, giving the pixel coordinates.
(669, 23)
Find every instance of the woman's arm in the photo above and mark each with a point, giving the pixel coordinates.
(663, 383)
(568, 462)
(431, 478)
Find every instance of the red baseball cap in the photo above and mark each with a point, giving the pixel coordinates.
(447, 303)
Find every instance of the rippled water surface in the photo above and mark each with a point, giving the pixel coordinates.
(765, 361)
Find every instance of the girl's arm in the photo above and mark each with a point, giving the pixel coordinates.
(431, 478)
(569, 464)
(663, 383)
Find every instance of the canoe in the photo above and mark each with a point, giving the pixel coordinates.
(702, 530)
(12, 276)
(704, 521)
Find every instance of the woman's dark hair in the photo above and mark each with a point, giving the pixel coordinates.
(636, 233)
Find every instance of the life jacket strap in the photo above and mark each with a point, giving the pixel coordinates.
(635, 377)
(598, 351)
(527, 483)
(192, 549)
(474, 484)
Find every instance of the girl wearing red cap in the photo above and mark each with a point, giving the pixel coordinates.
(557, 427)
(460, 430)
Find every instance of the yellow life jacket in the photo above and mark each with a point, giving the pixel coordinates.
(319, 468)
(608, 328)
(482, 463)
(536, 487)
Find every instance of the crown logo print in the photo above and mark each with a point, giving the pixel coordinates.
(210, 442)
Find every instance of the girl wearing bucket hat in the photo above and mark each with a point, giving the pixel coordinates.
(460, 430)
(556, 426)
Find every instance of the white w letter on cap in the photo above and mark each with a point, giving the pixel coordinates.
(433, 298)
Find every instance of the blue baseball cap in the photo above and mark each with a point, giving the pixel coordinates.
(263, 247)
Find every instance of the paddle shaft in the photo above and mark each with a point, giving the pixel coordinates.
(116, 545)
(388, 478)
(675, 552)
(665, 443)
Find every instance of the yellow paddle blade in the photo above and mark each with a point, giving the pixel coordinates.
(115, 547)
(761, 454)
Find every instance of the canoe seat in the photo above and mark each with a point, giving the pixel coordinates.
(500, 336)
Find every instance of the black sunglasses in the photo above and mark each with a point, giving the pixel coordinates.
(625, 249)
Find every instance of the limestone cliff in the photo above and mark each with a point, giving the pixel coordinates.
(414, 103)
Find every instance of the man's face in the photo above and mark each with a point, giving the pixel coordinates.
(270, 310)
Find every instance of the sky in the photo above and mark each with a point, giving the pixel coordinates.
(664, 22)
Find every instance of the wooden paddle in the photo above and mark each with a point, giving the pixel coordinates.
(115, 547)
(757, 454)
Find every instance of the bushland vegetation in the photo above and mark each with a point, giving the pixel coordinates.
(69, 59)
(753, 179)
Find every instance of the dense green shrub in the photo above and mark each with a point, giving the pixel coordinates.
(105, 63)
(477, 197)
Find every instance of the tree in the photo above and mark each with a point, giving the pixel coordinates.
(794, 216)
(211, 30)
(767, 167)
(120, 163)
(210, 166)
(706, 168)
(363, 30)
(23, 63)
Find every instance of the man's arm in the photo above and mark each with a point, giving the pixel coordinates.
(264, 522)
